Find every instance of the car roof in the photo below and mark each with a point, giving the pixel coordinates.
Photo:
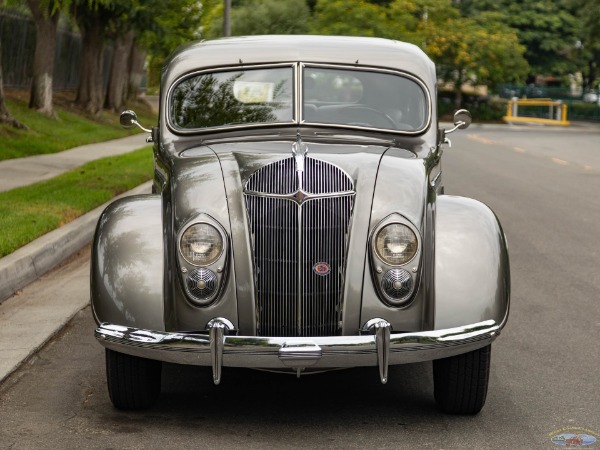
(249, 50)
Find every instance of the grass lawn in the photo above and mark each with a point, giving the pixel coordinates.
(71, 128)
(27, 213)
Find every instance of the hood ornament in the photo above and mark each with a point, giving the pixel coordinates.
(299, 150)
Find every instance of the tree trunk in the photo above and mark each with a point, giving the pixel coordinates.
(5, 116)
(591, 74)
(43, 61)
(90, 91)
(137, 62)
(118, 81)
(458, 97)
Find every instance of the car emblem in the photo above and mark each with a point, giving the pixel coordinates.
(322, 269)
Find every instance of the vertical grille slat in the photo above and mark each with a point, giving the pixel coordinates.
(290, 237)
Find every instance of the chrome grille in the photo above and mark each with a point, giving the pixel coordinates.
(276, 178)
(323, 178)
(289, 237)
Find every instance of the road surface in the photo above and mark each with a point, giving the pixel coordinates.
(544, 185)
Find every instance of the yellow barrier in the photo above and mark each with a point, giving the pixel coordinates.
(558, 117)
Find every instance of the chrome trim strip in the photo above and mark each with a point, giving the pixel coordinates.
(298, 70)
(265, 352)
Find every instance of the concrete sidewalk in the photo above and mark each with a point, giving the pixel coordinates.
(26, 321)
(24, 171)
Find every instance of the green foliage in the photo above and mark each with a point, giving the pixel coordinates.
(588, 48)
(270, 17)
(481, 49)
(583, 111)
(483, 109)
(255, 17)
(467, 50)
(29, 212)
(166, 24)
(547, 29)
(360, 18)
(46, 135)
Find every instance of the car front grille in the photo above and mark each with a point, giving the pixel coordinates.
(299, 226)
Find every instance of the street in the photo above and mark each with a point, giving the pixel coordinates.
(543, 183)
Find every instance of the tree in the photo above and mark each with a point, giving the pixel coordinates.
(118, 78)
(468, 51)
(270, 17)
(546, 28)
(588, 44)
(252, 17)
(92, 19)
(167, 25)
(482, 51)
(45, 15)
(5, 116)
(360, 18)
(120, 30)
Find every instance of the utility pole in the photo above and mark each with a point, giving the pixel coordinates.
(226, 16)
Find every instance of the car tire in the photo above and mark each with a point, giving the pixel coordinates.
(461, 382)
(133, 382)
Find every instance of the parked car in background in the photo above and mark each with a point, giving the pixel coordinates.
(299, 224)
(591, 97)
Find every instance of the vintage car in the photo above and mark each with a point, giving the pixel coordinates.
(298, 223)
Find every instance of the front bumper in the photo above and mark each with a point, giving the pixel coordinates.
(217, 349)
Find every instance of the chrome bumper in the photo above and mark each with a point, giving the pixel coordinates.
(217, 349)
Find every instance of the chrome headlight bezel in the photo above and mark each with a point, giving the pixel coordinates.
(408, 238)
(216, 266)
(382, 267)
(201, 227)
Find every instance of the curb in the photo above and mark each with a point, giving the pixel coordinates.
(33, 260)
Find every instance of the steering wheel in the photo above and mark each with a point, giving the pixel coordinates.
(377, 118)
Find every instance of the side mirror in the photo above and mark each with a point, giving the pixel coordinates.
(462, 120)
(129, 119)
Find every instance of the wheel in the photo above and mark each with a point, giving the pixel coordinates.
(133, 382)
(460, 383)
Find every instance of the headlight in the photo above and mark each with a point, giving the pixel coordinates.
(396, 244)
(201, 244)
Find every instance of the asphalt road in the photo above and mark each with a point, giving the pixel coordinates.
(542, 183)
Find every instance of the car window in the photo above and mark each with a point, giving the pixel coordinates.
(363, 98)
(226, 98)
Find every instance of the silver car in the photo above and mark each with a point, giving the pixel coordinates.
(298, 223)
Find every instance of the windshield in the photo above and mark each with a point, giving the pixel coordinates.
(232, 98)
(363, 98)
(334, 96)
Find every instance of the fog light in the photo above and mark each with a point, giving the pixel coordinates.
(397, 284)
(202, 285)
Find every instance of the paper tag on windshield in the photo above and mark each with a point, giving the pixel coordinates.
(253, 91)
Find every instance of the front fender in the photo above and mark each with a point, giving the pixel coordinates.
(127, 264)
(472, 276)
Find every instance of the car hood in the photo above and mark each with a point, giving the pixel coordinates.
(398, 173)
